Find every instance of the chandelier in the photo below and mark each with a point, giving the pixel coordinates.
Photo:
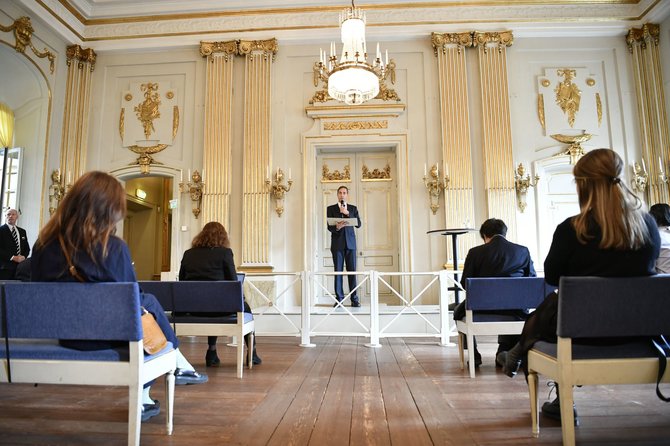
(352, 79)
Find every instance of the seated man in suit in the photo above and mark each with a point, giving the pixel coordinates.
(497, 257)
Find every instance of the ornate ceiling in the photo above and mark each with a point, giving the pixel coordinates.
(125, 24)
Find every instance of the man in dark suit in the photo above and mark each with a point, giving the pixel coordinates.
(14, 247)
(343, 242)
(497, 257)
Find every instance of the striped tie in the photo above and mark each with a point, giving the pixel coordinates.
(16, 240)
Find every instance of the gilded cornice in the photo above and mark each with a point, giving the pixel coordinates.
(227, 48)
(441, 40)
(503, 39)
(649, 32)
(247, 47)
(75, 52)
(23, 34)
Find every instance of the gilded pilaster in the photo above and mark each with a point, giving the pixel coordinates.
(454, 117)
(259, 56)
(218, 130)
(80, 65)
(643, 46)
(496, 123)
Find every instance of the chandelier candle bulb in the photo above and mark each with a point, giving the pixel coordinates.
(660, 164)
(289, 174)
(425, 172)
(644, 167)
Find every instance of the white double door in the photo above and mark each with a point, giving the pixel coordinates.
(376, 200)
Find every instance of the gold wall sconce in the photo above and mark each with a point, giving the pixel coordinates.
(435, 185)
(194, 188)
(522, 182)
(58, 189)
(640, 178)
(278, 189)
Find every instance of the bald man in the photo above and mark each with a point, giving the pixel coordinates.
(14, 246)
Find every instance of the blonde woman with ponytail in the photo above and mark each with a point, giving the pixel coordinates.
(612, 236)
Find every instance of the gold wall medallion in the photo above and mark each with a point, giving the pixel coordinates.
(128, 97)
(590, 82)
(545, 82)
(169, 94)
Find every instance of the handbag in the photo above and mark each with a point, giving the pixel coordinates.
(153, 337)
(663, 350)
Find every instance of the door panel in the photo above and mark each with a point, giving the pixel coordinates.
(372, 188)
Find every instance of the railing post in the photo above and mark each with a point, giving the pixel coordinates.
(374, 310)
(445, 314)
(305, 312)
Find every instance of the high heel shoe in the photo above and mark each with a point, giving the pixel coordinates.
(212, 359)
(510, 360)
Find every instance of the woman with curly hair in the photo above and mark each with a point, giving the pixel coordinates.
(211, 258)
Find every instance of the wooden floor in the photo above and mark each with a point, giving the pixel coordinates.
(410, 391)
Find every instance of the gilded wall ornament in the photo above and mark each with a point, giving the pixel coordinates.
(355, 125)
(23, 35)
(502, 39)
(145, 160)
(336, 176)
(649, 33)
(75, 52)
(147, 111)
(441, 41)
(545, 82)
(122, 123)
(590, 82)
(175, 120)
(157, 121)
(540, 109)
(568, 95)
(208, 49)
(249, 47)
(376, 174)
(599, 109)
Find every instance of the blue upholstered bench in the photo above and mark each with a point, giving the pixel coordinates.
(37, 315)
(495, 294)
(637, 308)
(181, 299)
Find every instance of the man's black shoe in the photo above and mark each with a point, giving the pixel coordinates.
(355, 303)
(553, 410)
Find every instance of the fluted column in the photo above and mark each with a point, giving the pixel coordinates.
(218, 130)
(643, 46)
(454, 118)
(80, 65)
(259, 55)
(496, 125)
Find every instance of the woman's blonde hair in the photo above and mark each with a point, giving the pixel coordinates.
(213, 235)
(607, 201)
(88, 215)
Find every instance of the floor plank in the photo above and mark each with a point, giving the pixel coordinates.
(409, 391)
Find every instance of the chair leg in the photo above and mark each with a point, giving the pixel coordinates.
(471, 354)
(460, 350)
(240, 355)
(169, 392)
(567, 413)
(251, 339)
(134, 413)
(534, 409)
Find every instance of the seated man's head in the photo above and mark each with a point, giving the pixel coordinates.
(661, 213)
(491, 228)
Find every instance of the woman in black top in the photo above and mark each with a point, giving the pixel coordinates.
(211, 258)
(612, 236)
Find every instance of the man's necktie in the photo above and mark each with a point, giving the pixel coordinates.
(16, 240)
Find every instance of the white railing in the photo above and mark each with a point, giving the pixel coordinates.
(373, 322)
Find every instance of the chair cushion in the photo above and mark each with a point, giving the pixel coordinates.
(589, 349)
(192, 319)
(51, 350)
(492, 317)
